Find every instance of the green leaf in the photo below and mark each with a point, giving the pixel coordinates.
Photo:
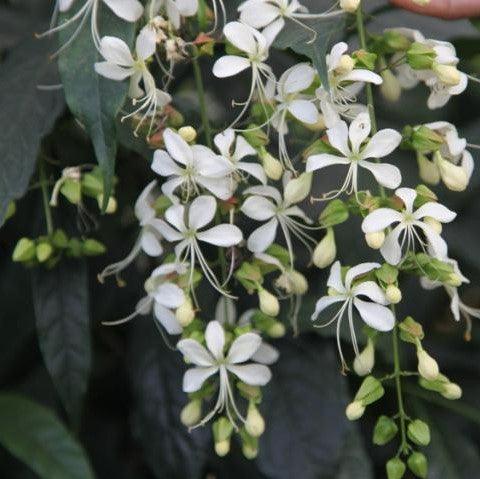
(61, 302)
(34, 435)
(95, 100)
(299, 38)
(27, 115)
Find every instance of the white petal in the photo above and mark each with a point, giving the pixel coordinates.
(315, 162)
(437, 245)
(215, 338)
(271, 31)
(175, 215)
(112, 71)
(163, 164)
(363, 76)
(380, 219)
(338, 137)
(169, 295)
(304, 110)
(143, 210)
(372, 291)
(201, 211)
(221, 235)
(243, 149)
(376, 316)
(386, 175)
(167, 319)
(195, 377)
(359, 130)
(260, 15)
(462, 84)
(221, 187)
(258, 208)
(262, 190)
(195, 353)
(253, 374)
(297, 78)
(169, 187)
(225, 311)
(224, 141)
(116, 51)
(168, 232)
(324, 302)
(266, 354)
(435, 210)
(145, 44)
(335, 278)
(240, 36)
(243, 348)
(407, 195)
(254, 170)
(230, 65)
(150, 243)
(129, 10)
(177, 147)
(391, 250)
(357, 271)
(187, 8)
(263, 236)
(333, 58)
(382, 144)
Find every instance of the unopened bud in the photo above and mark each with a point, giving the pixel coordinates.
(349, 6)
(395, 468)
(298, 189)
(277, 330)
(345, 65)
(273, 168)
(269, 304)
(427, 366)
(255, 424)
(24, 250)
(250, 450)
(417, 463)
(354, 410)
(292, 282)
(390, 88)
(185, 313)
(454, 176)
(191, 413)
(434, 224)
(420, 56)
(393, 294)
(325, 251)
(419, 432)
(111, 206)
(452, 391)
(43, 251)
(428, 170)
(454, 280)
(222, 448)
(188, 133)
(375, 239)
(364, 362)
(447, 74)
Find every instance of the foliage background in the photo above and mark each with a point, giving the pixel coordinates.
(119, 390)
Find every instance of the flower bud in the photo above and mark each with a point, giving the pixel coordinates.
(364, 362)
(454, 280)
(427, 366)
(395, 468)
(452, 391)
(249, 451)
(349, 6)
(292, 282)
(276, 330)
(185, 313)
(298, 189)
(393, 294)
(24, 250)
(420, 56)
(222, 430)
(375, 239)
(255, 424)
(188, 133)
(269, 304)
(418, 464)
(345, 65)
(428, 170)
(390, 88)
(434, 224)
(325, 251)
(447, 74)
(454, 176)
(92, 247)
(191, 413)
(354, 410)
(419, 433)
(273, 168)
(222, 448)
(111, 206)
(385, 430)
(43, 251)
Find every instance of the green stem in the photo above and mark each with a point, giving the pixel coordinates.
(45, 196)
(197, 72)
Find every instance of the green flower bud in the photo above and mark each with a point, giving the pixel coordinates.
(419, 432)
(427, 366)
(434, 224)
(43, 251)
(420, 56)
(424, 139)
(255, 424)
(292, 282)
(92, 247)
(375, 239)
(256, 137)
(395, 468)
(371, 390)
(326, 250)
(364, 59)
(276, 330)
(269, 304)
(354, 410)
(335, 213)
(364, 362)
(59, 239)
(191, 413)
(111, 205)
(249, 445)
(24, 250)
(385, 430)
(222, 448)
(396, 41)
(273, 168)
(72, 190)
(410, 330)
(418, 464)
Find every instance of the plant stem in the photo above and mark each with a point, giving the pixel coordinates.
(197, 72)
(45, 196)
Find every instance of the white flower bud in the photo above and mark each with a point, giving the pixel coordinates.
(354, 410)
(222, 448)
(375, 239)
(454, 177)
(364, 362)
(447, 74)
(269, 304)
(393, 294)
(428, 170)
(277, 330)
(273, 168)
(185, 313)
(434, 224)
(349, 6)
(427, 366)
(191, 413)
(452, 391)
(255, 424)
(297, 189)
(325, 251)
(188, 133)
(345, 65)
(111, 206)
(292, 282)
(390, 88)
(249, 451)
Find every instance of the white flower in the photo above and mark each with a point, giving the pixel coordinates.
(212, 360)
(290, 100)
(119, 64)
(373, 312)
(408, 223)
(148, 240)
(344, 84)
(348, 142)
(235, 150)
(128, 10)
(255, 46)
(183, 227)
(175, 9)
(281, 211)
(191, 168)
(162, 297)
(271, 14)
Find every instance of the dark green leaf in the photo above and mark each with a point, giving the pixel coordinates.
(27, 114)
(34, 435)
(60, 297)
(95, 100)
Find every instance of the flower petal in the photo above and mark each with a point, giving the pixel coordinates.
(253, 169)
(375, 315)
(175, 215)
(129, 10)
(297, 78)
(435, 210)
(259, 15)
(382, 144)
(195, 353)
(371, 290)
(324, 302)
(151, 243)
(407, 195)
(230, 65)
(195, 377)
(163, 164)
(386, 175)
(437, 246)
(177, 147)
(222, 188)
(266, 354)
(243, 348)
(258, 208)
(221, 235)
(316, 162)
(240, 36)
(391, 250)
(112, 71)
(215, 338)
(335, 278)
(338, 137)
(357, 271)
(380, 219)
(224, 141)
(169, 295)
(363, 76)
(253, 374)
(145, 44)
(263, 236)
(243, 149)
(116, 51)
(304, 110)
(359, 130)
(168, 232)
(201, 211)
(167, 319)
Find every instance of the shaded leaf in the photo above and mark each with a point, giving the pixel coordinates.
(34, 435)
(28, 114)
(61, 303)
(95, 100)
